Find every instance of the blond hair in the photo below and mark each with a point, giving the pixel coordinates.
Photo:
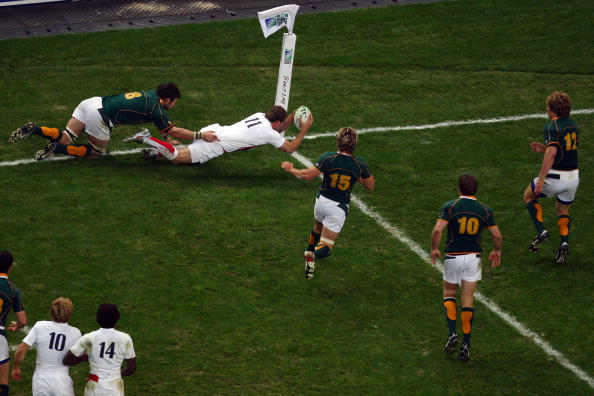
(61, 309)
(559, 103)
(346, 139)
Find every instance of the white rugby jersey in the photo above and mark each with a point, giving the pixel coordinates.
(246, 134)
(52, 340)
(107, 349)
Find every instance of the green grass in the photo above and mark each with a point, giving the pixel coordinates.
(204, 261)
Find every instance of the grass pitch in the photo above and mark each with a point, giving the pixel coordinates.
(205, 262)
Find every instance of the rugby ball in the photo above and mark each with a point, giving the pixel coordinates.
(301, 114)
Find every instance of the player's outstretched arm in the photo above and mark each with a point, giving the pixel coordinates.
(495, 255)
(290, 147)
(288, 122)
(303, 174)
(183, 133)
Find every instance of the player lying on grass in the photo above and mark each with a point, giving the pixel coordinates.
(215, 140)
(465, 218)
(341, 171)
(97, 116)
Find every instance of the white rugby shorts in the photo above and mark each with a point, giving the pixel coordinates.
(52, 384)
(327, 212)
(202, 151)
(88, 112)
(105, 387)
(564, 187)
(462, 267)
(4, 355)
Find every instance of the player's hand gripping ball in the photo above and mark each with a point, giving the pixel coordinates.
(301, 114)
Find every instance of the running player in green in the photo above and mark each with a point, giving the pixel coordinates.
(10, 298)
(465, 218)
(97, 116)
(559, 175)
(341, 172)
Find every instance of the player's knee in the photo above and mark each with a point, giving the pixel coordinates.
(95, 150)
(68, 136)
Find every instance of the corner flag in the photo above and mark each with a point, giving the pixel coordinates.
(275, 18)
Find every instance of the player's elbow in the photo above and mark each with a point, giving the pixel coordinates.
(69, 359)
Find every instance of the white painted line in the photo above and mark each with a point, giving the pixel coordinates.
(490, 304)
(62, 158)
(446, 124)
(443, 124)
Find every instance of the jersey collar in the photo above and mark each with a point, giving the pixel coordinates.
(468, 197)
(3, 275)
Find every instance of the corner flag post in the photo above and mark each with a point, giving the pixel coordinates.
(271, 21)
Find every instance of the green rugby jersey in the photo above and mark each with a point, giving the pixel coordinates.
(563, 133)
(135, 108)
(10, 298)
(341, 172)
(466, 218)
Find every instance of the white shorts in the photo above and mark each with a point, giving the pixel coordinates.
(111, 387)
(202, 151)
(88, 112)
(4, 355)
(329, 213)
(564, 187)
(462, 267)
(50, 384)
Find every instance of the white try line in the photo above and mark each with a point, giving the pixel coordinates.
(443, 124)
(490, 304)
(446, 124)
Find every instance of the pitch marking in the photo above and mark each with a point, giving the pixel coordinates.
(443, 124)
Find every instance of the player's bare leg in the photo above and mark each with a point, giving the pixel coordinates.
(450, 309)
(184, 156)
(4, 378)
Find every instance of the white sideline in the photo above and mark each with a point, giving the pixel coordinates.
(443, 124)
(446, 124)
(490, 304)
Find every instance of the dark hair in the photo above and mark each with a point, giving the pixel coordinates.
(276, 113)
(467, 184)
(5, 261)
(346, 139)
(108, 315)
(168, 91)
(559, 103)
